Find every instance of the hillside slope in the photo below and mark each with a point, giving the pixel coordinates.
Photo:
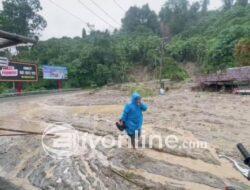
(212, 41)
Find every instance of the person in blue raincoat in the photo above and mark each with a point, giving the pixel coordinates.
(132, 117)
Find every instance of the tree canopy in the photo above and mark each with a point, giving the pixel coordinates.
(227, 4)
(21, 17)
(241, 2)
(140, 20)
(204, 6)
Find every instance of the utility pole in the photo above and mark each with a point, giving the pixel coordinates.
(161, 61)
(164, 42)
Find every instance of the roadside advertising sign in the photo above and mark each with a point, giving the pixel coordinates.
(55, 73)
(11, 71)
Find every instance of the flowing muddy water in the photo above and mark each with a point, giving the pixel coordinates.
(221, 120)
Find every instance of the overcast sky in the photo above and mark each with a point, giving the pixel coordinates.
(61, 23)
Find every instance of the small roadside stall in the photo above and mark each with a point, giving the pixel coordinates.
(236, 79)
(15, 71)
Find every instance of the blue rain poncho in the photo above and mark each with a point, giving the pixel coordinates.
(132, 115)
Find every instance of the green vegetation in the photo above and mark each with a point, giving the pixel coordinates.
(214, 40)
(211, 42)
(21, 17)
(140, 19)
(1, 89)
(172, 71)
(242, 52)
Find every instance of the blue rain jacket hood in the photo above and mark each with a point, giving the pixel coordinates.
(132, 115)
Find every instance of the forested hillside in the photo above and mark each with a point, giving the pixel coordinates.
(182, 32)
(217, 40)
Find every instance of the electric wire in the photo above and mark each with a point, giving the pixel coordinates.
(93, 12)
(65, 10)
(118, 5)
(105, 12)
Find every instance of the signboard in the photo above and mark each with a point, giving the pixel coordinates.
(55, 73)
(18, 72)
(4, 61)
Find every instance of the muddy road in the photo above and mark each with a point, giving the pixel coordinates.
(220, 120)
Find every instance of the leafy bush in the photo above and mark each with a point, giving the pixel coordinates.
(192, 49)
(242, 52)
(1, 89)
(172, 71)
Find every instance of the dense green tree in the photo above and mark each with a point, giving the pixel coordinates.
(228, 4)
(177, 14)
(84, 33)
(21, 17)
(174, 15)
(193, 11)
(140, 20)
(241, 3)
(211, 41)
(1, 21)
(242, 52)
(204, 6)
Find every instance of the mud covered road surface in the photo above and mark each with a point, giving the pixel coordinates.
(221, 120)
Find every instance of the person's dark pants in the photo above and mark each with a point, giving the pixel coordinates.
(134, 136)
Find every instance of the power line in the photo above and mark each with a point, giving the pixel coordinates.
(65, 10)
(104, 12)
(90, 10)
(118, 5)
